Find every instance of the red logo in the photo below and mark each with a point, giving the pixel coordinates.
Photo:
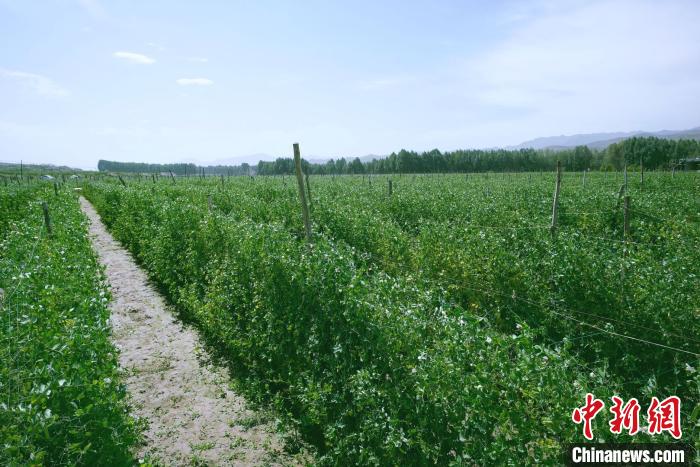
(587, 413)
(662, 416)
(665, 416)
(626, 417)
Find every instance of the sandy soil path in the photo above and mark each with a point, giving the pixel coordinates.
(194, 418)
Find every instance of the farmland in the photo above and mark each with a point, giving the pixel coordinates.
(444, 322)
(61, 397)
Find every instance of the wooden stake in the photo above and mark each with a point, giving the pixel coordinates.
(391, 188)
(55, 188)
(308, 190)
(121, 180)
(627, 217)
(172, 176)
(47, 218)
(619, 195)
(302, 195)
(625, 178)
(555, 203)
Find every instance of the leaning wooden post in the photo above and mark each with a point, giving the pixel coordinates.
(555, 203)
(627, 217)
(47, 218)
(308, 190)
(172, 176)
(302, 195)
(121, 180)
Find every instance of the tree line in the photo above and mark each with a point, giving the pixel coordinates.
(652, 152)
(182, 169)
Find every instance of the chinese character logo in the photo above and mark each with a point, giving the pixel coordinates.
(665, 416)
(662, 416)
(626, 416)
(587, 413)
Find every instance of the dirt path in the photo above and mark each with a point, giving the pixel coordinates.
(194, 418)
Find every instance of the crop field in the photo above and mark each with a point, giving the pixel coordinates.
(444, 322)
(61, 399)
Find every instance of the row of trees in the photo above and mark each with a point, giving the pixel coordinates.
(177, 169)
(654, 153)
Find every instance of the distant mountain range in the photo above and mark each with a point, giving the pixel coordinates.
(602, 140)
(592, 140)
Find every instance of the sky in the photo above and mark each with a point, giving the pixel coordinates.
(173, 81)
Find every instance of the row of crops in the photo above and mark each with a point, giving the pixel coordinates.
(441, 323)
(61, 400)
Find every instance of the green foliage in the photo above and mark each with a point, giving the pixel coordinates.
(61, 398)
(433, 326)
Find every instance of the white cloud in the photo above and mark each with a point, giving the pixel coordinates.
(132, 57)
(194, 82)
(638, 60)
(39, 83)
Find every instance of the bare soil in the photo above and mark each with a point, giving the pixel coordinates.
(194, 418)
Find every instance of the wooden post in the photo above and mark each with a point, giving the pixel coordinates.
(641, 166)
(308, 190)
(47, 218)
(121, 180)
(625, 178)
(222, 181)
(302, 195)
(555, 203)
(391, 188)
(619, 195)
(627, 217)
(172, 176)
(55, 188)
(153, 177)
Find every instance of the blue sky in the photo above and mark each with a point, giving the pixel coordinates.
(169, 81)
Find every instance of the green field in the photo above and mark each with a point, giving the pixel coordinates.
(442, 323)
(61, 399)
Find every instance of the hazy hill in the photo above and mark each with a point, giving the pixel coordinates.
(602, 140)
